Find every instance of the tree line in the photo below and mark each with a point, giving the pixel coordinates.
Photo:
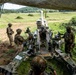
(27, 10)
(31, 10)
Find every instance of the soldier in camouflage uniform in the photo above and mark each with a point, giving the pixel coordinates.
(42, 33)
(38, 66)
(30, 35)
(69, 39)
(28, 30)
(10, 33)
(18, 39)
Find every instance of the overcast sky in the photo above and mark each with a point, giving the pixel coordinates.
(12, 6)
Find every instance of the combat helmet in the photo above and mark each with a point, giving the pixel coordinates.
(9, 24)
(18, 31)
(38, 64)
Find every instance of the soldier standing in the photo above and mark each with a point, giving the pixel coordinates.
(69, 39)
(42, 33)
(38, 66)
(18, 39)
(10, 33)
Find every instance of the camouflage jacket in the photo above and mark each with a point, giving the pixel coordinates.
(18, 39)
(9, 31)
(69, 37)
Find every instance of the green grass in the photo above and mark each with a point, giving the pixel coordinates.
(24, 68)
(55, 27)
(57, 17)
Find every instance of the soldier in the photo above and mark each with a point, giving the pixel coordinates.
(69, 39)
(9, 34)
(18, 39)
(30, 35)
(42, 33)
(28, 30)
(38, 66)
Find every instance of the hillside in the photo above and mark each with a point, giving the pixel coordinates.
(28, 9)
(21, 10)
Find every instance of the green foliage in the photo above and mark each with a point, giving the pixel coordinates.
(56, 27)
(28, 10)
(73, 21)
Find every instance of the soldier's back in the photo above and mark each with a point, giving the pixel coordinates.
(18, 39)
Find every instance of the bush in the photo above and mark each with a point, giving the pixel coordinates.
(73, 21)
(30, 15)
(19, 17)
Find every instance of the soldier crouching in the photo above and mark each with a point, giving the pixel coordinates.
(18, 39)
(38, 66)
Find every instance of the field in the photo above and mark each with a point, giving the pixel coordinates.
(30, 21)
(54, 21)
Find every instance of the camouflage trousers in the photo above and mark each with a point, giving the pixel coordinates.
(68, 49)
(11, 40)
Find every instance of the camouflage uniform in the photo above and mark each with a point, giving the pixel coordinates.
(69, 39)
(38, 66)
(28, 30)
(9, 34)
(30, 37)
(18, 39)
(42, 33)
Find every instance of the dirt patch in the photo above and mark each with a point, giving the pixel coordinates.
(7, 53)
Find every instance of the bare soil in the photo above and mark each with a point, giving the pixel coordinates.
(5, 53)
